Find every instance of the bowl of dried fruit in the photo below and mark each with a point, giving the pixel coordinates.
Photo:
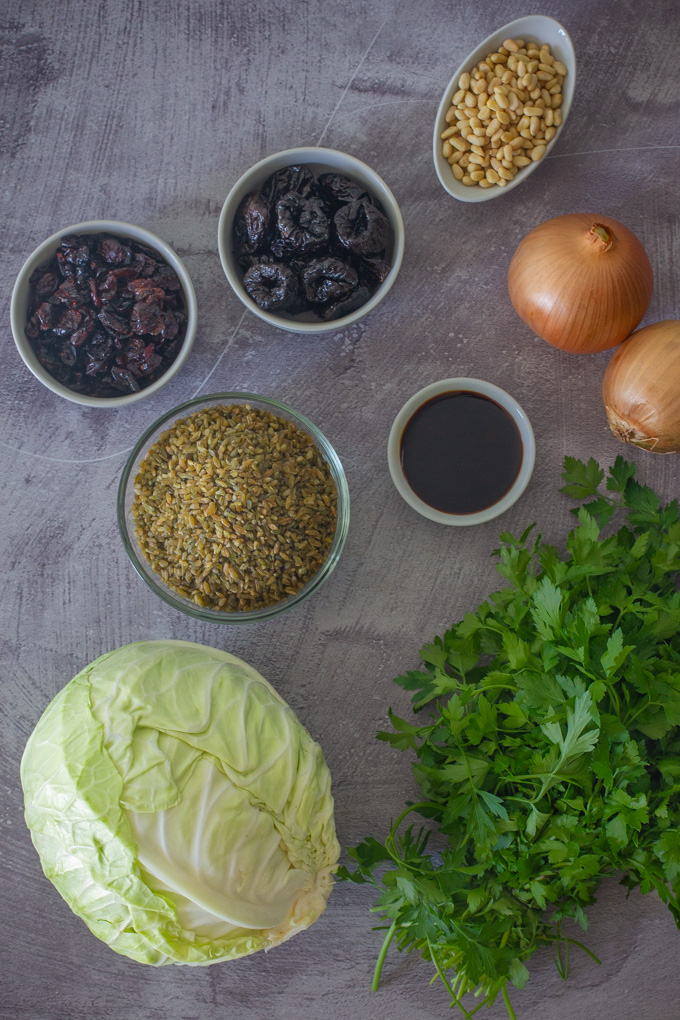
(311, 239)
(233, 507)
(504, 109)
(104, 313)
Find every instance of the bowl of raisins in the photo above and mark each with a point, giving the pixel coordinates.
(311, 239)
(103, 313)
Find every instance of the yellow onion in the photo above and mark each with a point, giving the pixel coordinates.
(641, 388)
(581, 282)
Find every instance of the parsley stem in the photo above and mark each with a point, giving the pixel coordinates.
(381, 956)
(508, 1004)
(446, 983)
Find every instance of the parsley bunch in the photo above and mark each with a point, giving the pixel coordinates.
(551, 754)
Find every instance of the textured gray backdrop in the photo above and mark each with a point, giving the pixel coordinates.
(148, 111)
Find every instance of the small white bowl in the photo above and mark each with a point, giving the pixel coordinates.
(533, 28)
(484, 389)
(320, 161)
(43, 253)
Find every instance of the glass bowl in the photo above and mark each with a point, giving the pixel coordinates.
(127, 526)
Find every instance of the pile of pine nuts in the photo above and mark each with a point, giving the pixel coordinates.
(503, 114)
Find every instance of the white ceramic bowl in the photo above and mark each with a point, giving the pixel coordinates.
(43, 253)
(320, 161)
(484, 389)
(533, 28)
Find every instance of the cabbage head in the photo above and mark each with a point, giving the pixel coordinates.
(179, 806)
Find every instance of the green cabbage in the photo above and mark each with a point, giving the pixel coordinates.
(179, 806)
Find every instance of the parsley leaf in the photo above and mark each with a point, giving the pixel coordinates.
(548, 752)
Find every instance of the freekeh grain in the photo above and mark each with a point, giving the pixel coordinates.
(234, 508)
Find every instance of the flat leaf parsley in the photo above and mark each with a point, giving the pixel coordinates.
(550, 756)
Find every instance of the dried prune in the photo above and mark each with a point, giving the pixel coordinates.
(302, 223)
(362, 228)
(105, 303)
(326, 280)
(373, 270)
(331, 234)
(271, 285)
(298, 179)
(251, 224)
(338, 189)
(345, 305)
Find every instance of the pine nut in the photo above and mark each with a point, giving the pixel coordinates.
(503, 114)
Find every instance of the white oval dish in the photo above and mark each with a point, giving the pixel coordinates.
(318, 160)
(43, 253)
(484, 389)
(532, 28)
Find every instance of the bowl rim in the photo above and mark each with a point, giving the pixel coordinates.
(486, 389)
(519, 27)
(40, 254)
(308, 155)
(343, 502)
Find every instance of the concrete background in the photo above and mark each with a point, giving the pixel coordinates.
(148, 111)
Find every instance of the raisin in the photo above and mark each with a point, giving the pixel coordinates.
(113, 252)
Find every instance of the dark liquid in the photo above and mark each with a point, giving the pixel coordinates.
(461, 452)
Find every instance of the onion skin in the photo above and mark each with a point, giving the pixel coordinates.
(641, 388)
(581, 289)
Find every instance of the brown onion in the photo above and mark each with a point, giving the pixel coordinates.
(641, 388)
(581, 282)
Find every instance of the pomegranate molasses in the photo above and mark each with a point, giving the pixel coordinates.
(461, 452)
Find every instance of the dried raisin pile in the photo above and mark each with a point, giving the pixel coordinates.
(311, 244)
(106, 315)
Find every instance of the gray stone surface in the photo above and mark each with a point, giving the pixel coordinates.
(148, 112)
